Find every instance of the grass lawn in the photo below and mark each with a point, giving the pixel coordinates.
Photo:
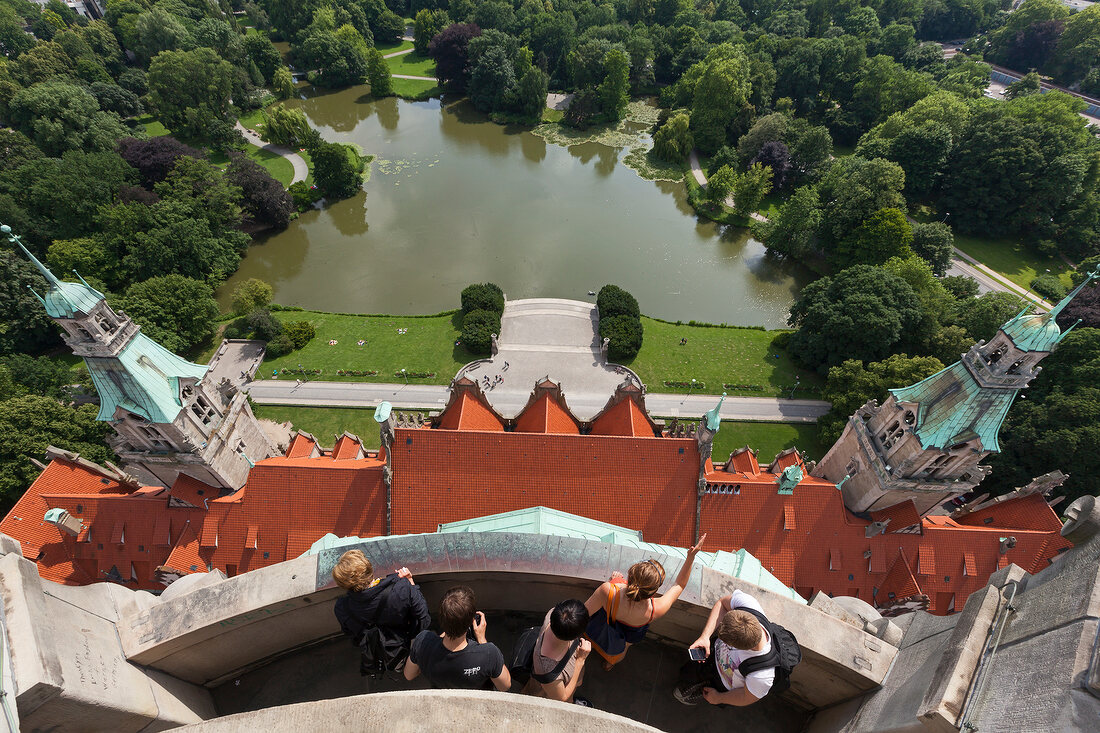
(717, 356)
(768, 439)
(769, 207)
(252, 119)
(427, 346)
(1013, 259)
(552, 115)
(411, 64)
(415, 89)
(325, 422)
(386, 48)
(279, 167)
(153, 128)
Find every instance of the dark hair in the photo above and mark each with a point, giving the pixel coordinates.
(456, 611)
(569, 619)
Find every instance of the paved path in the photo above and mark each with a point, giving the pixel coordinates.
(398, 53)
(434, 397)
(417, 78)
(301, 170)
(701, 179)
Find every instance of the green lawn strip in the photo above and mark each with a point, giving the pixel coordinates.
(769, 207)
(718, 356)
(411, 64)
(279, 167)
(1013, 259)
(415, 89)
(552, 115)
(388, 48)
(427, 346)
(252, 119)
(768, 439)
(152, 125)
(324, 423)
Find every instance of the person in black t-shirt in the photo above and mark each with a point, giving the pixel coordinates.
(450, 659)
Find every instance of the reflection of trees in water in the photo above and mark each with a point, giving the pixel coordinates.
(461, 123)
(339, 109)
(533, 146)
(350, 215)
(388, 111)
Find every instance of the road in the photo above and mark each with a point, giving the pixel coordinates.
(434, 397)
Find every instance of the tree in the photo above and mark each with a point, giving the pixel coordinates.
(263, 199)
(24, 325)
(450, 50)
(155, 157)
(934, 242)
(624, 335)
(378, 74)
(33, 422)
(984, 315)
(300, 333)
(720, 98)
(477, 329)
(720, 185)
(60, 116)
(389, 27)
(282, 83)
(855, 188)
(767, 129)
(13, 39)
(1085, 307)
(1024, 86)
(337, 170)
(792, 232)
(427, 25)
(113, 98)
(483, 296)
(961, 287)
(493, 80)
(531, 94)
(253, 293)
(287, 127)
(774, 156)
(850, 385)
(264, 54)
(750, 188)
(264, 325)
(882, 235)
(862, 313)
(175, 311)
(614, 301)
(190, 90)
(158, 30)
(673, 141)
(615, 87)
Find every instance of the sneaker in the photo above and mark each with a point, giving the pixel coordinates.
(584, 702)
(688, 694)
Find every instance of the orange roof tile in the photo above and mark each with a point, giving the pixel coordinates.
(466, 412)
(900, 580)
(302, 445)
(900, 516)
(789, 514)
(188, 491)
(186, 557)
(1023, 512)
(970, 567)
(743, 461)
(624, 418)
(926, 559)
(546, 415)
(347, 447)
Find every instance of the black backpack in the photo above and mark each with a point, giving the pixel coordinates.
(381, 648)
(784, 656)
(523, 658)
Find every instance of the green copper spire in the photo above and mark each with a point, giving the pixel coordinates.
(711, 415)
(63, 299)
(1040, 331)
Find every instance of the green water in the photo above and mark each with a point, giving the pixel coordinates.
(454, 199)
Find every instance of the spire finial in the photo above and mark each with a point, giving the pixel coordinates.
(18, 241)
(1065, 301)
(713, 420)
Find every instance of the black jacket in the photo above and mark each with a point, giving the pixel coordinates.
(405, 612)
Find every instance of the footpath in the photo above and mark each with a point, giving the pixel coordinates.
(301, 170)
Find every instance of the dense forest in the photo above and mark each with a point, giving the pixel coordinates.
(876, 148)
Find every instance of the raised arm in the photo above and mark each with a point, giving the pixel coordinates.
(662, 604)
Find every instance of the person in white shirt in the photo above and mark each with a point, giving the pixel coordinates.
(740, 637)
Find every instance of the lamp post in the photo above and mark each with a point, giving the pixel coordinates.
(797, 381)
(691, 388)
(406, 376)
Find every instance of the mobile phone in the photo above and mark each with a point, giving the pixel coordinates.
(697, 654)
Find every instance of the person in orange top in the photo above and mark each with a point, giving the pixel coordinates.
(622, 609)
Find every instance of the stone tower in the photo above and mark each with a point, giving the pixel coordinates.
(170, 416)
(927, 440)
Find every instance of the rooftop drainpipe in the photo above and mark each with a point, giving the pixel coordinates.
(992, 642)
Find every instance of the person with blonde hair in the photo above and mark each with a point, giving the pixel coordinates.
(381, 615)
(622, 609)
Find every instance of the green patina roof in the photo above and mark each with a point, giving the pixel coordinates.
(954, 408)
(711, 416)
(54, 515)
(789, 479)
(1039, 331)
(143, 378)
(63, 299)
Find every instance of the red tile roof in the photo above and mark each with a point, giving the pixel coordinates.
(624, 418)
(186, 557)
(899, 516)
(347, 447)
(743, 461)
(1023, 512)
(302, 445)
(546, 415)
(467, 412)
(900, 580)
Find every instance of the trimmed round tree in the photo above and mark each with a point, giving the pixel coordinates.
(614, 301)
(624, 334)
(477, 329)
(483, 296)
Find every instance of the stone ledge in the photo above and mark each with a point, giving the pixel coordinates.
(418, 710)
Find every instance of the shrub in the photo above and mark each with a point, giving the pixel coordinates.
(483, 297)
(265, 326)
(300, 333)
(614, 301)
(625, 334)
(304, 196)
(477, 329)
(253, 293)
(1049, 286)
(281, 345)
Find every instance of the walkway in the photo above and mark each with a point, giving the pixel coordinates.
(701, 179)
(416, 78)
(398, 53)
(301, 170)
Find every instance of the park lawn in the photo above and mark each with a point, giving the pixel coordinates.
(768, 439)
(427, 346)
(769, 207)
(412, 64)
(388, 48)
(279, 167)
(253, 118)
(152, 125)
(717, 356)
(324, 423)
(1013, 259)
(552, 115)
(415, 89)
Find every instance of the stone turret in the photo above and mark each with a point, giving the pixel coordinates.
(927, 440)
(170, 416)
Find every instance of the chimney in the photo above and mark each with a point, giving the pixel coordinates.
(64, 521)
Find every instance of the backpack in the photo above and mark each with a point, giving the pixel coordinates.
(784, 656)
(381, 648)
(523, 658)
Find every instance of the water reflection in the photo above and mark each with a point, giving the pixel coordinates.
(455, 199)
